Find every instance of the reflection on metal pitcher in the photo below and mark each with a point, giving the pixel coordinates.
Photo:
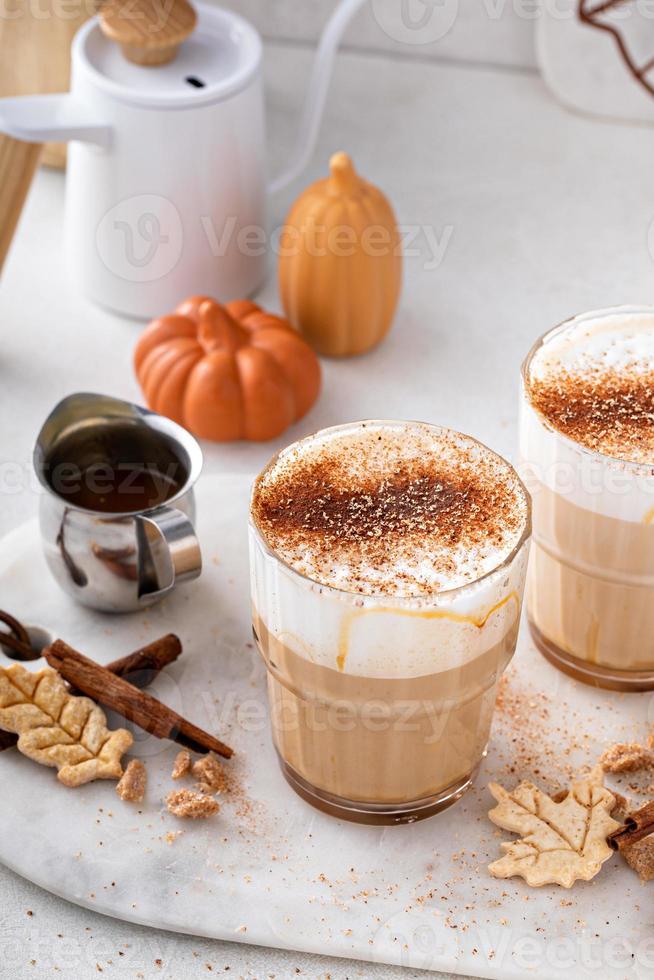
(117, 518)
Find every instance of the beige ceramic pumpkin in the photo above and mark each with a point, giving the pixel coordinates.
(340, 265)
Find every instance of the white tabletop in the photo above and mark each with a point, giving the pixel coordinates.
(542, 213)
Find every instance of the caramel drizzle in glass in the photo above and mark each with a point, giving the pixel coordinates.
(346, 625)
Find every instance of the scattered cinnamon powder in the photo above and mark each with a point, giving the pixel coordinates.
(522, 735)
(608, 411)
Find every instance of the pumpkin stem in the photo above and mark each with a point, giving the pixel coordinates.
(217, 330)
(343, 175)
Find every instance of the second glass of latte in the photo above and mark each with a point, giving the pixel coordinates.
(587, 445)
(387, 565)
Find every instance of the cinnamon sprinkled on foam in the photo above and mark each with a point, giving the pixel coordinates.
(609, 412)
(592, 379)
(401, 509)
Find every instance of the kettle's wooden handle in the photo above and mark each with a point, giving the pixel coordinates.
(18, 161)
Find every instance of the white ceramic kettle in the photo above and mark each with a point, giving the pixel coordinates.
(166, 182)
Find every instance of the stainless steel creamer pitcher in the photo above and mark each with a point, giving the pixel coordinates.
(117, 515)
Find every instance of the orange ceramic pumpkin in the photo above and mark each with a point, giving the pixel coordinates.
(340, 264)
(226, 372)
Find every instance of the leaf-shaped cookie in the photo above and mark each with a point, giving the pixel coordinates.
(57, 729)
(560, 842)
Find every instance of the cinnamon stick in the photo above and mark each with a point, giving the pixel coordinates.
(17, 639)
(134, 705)
(140, 667)
(15, 626)
(637, 826)
(20, 650)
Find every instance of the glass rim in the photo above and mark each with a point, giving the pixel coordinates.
(631, 466)
(376, 596)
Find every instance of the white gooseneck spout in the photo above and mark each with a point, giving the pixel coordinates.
(317, 92)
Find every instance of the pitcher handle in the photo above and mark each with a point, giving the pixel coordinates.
(168, 551)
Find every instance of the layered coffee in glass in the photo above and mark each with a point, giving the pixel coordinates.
(587, 444)
(387, 566)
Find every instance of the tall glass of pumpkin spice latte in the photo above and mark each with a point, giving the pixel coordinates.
(587, 445)
(387, 568)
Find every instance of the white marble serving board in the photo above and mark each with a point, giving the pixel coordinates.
(271, 870)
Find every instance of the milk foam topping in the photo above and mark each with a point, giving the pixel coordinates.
(388, 549)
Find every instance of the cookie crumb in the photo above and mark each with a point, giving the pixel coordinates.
(191, 805)
(182, 764)
(210, 774)
(627, 757)
(640, 857)
(131, 786)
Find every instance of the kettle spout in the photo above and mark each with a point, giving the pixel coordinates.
(317, 92)
(51, 118)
